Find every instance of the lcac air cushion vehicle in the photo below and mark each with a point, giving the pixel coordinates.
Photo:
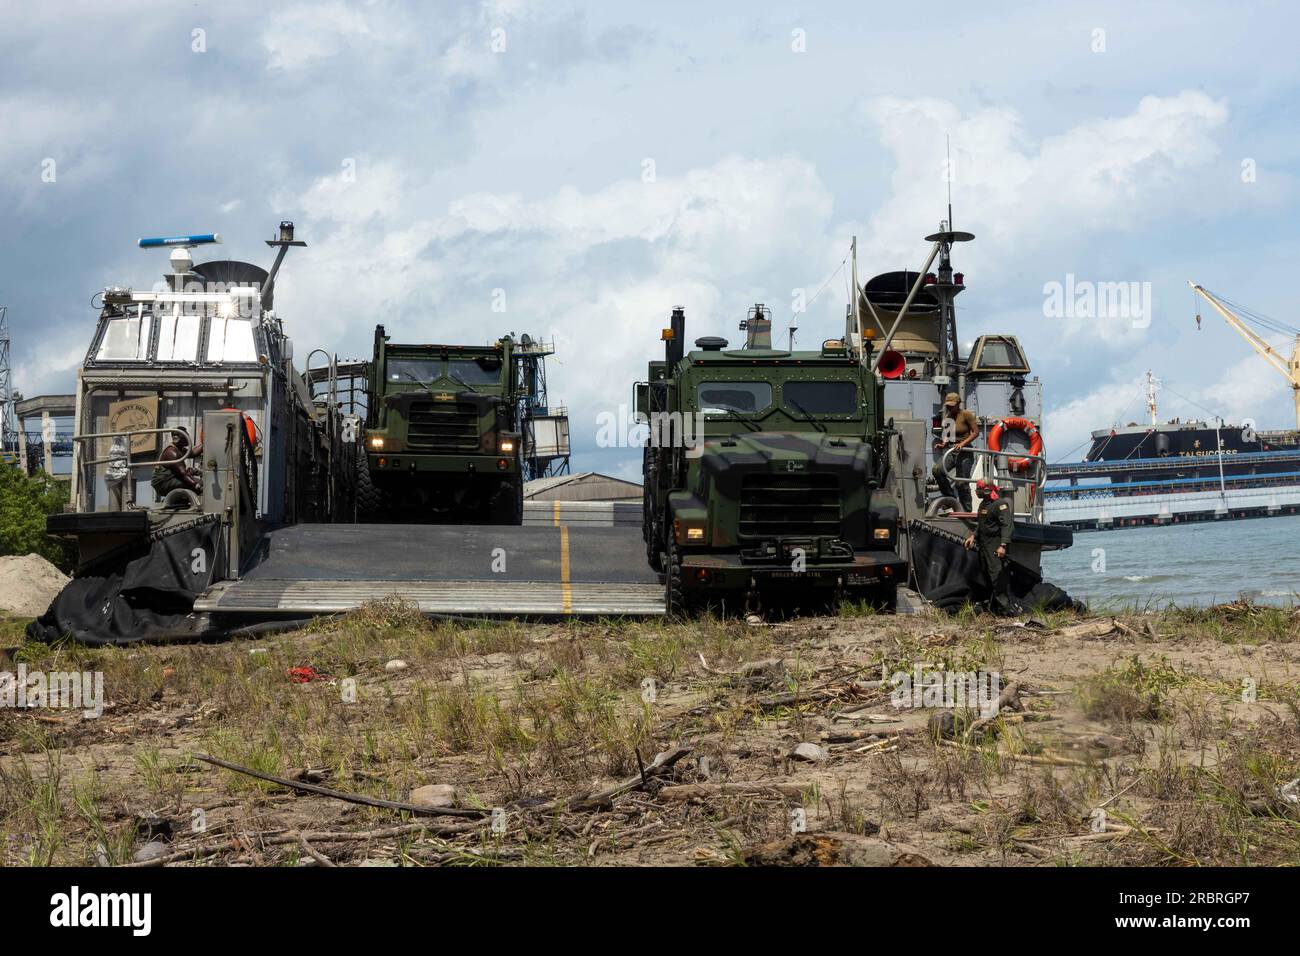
(202, 353)
(762, 473)
(920, 362)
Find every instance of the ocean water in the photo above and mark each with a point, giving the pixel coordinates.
(1201, 563)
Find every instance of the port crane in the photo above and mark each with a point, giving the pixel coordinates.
(1290, 368)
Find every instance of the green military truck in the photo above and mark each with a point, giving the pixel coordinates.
(442, 440)
(761, 472)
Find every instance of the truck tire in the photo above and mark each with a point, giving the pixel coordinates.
(654, 557)
(370, 500)
(649, 527)
(506, 506)
(677, 600)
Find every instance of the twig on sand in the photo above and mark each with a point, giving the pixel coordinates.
(312, 852)
(1010, 696)
(662, 763)
(323, 836)
(341, 795)
(1049, 759)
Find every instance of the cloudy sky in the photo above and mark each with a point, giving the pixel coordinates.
(602, 163)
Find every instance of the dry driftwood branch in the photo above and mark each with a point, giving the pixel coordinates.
(1048, 759)
(701, 791)
(322, 836)
(888, 745)
(312, 852)
(178, 856)
(1010, 697)
(795, 697)
(662, 763)
(341, 795)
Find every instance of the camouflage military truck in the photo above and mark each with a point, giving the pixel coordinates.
(761, 472)
(442, 439)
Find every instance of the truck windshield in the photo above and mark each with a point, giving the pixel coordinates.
(822, 398)
(744, 397)
(479, 371)
(405, 369)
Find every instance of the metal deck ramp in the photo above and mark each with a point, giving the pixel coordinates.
(490, 570)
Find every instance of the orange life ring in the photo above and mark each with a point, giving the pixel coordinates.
(1020, 425)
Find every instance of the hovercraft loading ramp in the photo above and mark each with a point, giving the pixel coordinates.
(487, 570)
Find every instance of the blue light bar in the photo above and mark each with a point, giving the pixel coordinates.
(162, 241)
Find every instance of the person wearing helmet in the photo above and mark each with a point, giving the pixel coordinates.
(171, 472)
(960, 428)
(994, 523)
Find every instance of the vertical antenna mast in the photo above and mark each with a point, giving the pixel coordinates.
(947, 175)
(1151, 396)
(9, 437)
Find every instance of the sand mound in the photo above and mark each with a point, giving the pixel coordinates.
(28, 584)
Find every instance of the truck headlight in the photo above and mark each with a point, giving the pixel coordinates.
(689, 532)
(376, 442)
(507, 445)
(883, 534)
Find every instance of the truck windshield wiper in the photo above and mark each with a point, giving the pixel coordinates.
(807, 415)
(424, 385)
(455, 377)
(732, 413)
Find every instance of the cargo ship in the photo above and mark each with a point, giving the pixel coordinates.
(1177, 471)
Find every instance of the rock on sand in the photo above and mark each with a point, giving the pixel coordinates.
(28, 584)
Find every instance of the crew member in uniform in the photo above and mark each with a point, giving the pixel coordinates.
(960, 428)
(172, 472)
(994, 523)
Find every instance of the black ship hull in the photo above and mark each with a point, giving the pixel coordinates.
(1191, 450)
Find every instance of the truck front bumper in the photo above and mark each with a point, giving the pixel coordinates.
(400, 462)
(703, 571)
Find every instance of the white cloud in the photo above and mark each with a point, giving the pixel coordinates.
(300, 34)
(1038, 204)
(698, 239)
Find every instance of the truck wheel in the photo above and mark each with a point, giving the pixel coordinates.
(370, 500)
(649, 527)
(506, 505)
(677, 602)
(654, 556)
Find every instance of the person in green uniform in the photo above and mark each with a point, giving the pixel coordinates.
(994, 523)
(960, 428)
(172, 472)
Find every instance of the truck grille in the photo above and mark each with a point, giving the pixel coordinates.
(443, 427)
(798, 505)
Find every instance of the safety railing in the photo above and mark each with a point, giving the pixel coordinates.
(127, 436)
(1033, 476)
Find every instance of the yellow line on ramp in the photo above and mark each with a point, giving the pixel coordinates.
(566, 593)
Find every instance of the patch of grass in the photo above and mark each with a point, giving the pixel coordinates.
(1241, 622)
(32, 809)
(12, 629)
(1133, 690)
